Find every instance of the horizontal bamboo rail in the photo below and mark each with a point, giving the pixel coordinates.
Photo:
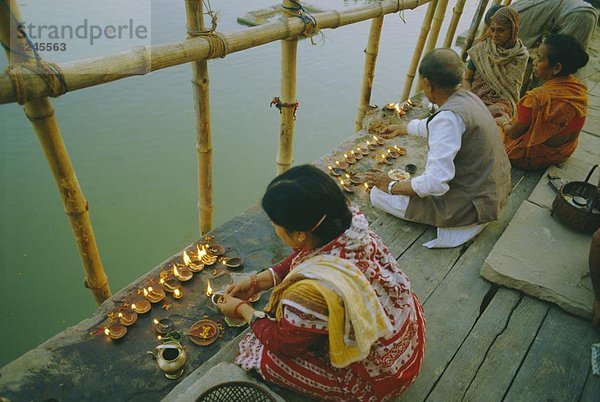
(141, 60)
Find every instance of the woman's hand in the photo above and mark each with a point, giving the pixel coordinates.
(502, 119)
(379, 179)
(394, 130)
(242, 289)
(227, 305)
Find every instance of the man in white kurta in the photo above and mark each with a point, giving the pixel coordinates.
(467, 174)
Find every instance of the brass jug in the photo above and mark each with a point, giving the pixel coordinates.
(170, 358)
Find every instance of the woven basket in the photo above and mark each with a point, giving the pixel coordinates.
(584, 218)
(236, 391)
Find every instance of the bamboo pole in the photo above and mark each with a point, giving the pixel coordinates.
(141, 60)
(41, 114)
(369, 70)
(410, 74)
(438, 18)
(195, 23)
(289, 50)
(506, 2)
(473, 28)
(456, 14)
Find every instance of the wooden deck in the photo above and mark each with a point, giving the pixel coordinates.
(484, 343)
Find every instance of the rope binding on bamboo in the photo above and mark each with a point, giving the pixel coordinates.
(279, 105)
(49, 72)
(310, 22)
(217, 46)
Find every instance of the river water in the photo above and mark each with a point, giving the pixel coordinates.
(132, 143)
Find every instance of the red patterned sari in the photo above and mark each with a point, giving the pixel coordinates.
(293, 352)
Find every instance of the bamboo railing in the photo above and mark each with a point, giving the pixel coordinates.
(456, 14)
(195, 26)
(33, 91)
(438, 18)
(473, 28)
(41, 114)
(412, 69)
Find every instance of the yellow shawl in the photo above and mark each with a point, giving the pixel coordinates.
(355, 317)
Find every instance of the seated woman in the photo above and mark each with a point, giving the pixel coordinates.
(497, 64)
(343, 322)
(546, 127)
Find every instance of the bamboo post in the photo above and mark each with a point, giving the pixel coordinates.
(41, 114)
(456, 14)
(285, 150)
(473, 28)
(412, 69)
(195, 24)
(506, 2)
(369, 70)
(438, 18)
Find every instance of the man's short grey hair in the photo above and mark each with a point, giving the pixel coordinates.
(443, 68)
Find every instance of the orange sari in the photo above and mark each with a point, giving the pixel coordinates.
(553, 106)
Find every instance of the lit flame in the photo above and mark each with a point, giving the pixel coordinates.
(352, 152)
(145, 293)
(106, 331)
(150, 289)
(133, 306)
(337, 163)
(383, 156)
(330, 167)
(359, 149)
(176, 271)
(159, 338)
(410, 103)
(398, 108)
(342, 182)
(368, 142)
(375, 138)
(201, 251)
(345, 156)
(161, 281)
(209, 290)
(120, 315)
(366, 186)
(186, 259)
(177, 293)
(155, 321)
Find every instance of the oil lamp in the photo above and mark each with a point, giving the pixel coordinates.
(177, 293)
(345, 187)
(142, 306)
(335, 171)
(371, 146)
(364, 151)
(350, 159)
(194, 266)
(115, 331)
(127, 317)
(182, 273)
(357, 155)
(163, 326)
(378, 140)
(154, 295)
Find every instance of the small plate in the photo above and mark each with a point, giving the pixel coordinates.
(203, 332)
(234, 262)
(235, 323)
(398, 174)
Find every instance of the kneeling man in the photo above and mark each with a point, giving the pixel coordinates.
(467, 175)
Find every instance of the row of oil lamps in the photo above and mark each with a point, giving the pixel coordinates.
(400, 109)
(170, 282)
(347, 177)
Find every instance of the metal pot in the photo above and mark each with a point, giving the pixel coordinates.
(577, 204)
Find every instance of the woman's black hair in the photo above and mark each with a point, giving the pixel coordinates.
(567, 51)
(299, 198)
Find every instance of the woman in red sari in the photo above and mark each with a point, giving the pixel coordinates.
(546, 127)
(343, 322)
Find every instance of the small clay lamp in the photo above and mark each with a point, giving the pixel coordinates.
(364, 151)
(205, 257)
(350, 159)
(193, 265)
(154, 295)
(409, 103)
(183, 274)
(371, 146)
(401, 151)
(127, 317)
(234, 262)
(216, 250)
(378, 140)
(141, 306)
(335, 171)
(357, 155)
(390, 106)
(385, 160)
(367, 186)
(342, 165)
(345, 187)
(178, 293)
(115, 331)
(170, 284)
(163, 326)
(393, 153)
(356, 179)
